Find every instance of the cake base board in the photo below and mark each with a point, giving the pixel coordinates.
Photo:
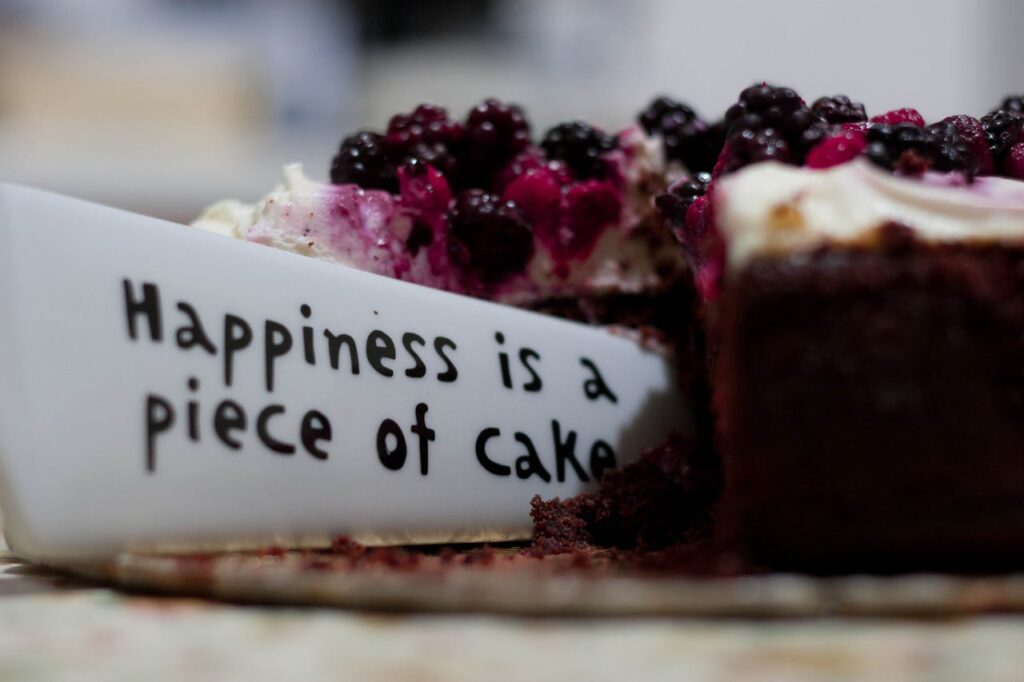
(505, 581)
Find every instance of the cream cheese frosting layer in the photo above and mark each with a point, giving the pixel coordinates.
(771, 209)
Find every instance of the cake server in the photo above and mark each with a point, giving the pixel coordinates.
(163, 388)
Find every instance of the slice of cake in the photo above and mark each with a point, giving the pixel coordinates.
(473, 206)
(864, 287)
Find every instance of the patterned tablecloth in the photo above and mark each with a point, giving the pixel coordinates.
(54, 628)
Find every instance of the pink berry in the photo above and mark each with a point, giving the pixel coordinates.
(837, 149)
(1014, 164)
(538, 193)
(587, 209)
(905, 115)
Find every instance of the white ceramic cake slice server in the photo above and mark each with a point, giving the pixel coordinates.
(167, 388)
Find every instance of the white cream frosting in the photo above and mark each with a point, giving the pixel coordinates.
(770, 208)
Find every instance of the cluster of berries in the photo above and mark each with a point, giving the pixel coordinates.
(506, 188)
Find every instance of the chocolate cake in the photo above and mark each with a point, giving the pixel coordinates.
(866, 320)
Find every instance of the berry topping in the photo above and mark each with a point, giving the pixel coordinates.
(685, 137)
(488, 237)
(1013, 103)
(769, 123)
(429, 135)
(673, 204)
(587, 208)
(897, 116)
(906, 148)
(581, 146)
(839, 109)
(538, 193)
(838, 149)
(965, 144)
(1002, 130)
(363, 160)
(531, 159)
(1013, 166)
(495, 133)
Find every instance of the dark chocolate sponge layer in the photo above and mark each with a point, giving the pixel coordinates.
(871, 407)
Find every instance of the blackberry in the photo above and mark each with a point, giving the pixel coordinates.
(905, 147)
(363, 160)
(745, 147)
(769, 122)
(581, 146)
(495, 133)
(1002, 130)
(684, 136)
(1013, 103)
(488, 237)
(428, 134)
(839, 109)
(674, 203)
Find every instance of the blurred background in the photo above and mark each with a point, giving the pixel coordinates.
(162, 106)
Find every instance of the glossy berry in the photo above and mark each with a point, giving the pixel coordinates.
(363, 160)
(903, 147)
(581, 146)
(1013, 103)
(588, 207)
(964, 142)
(674, 203)
(495, 133)
(1003, 129)
(531, 159)
(838, 149)
(685, 137)
(428, 134)
(770, 123)
(897, 116)
(538, 194)
(839, 109)
(1013, 166)
(745, 147)
(488, 238)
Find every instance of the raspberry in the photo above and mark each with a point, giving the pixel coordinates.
(837, 149)
(363, 160)
(489, 238)
(531, 159)
(769, 122)
(897, 116)
(587, 208)
(1002, 130)
(1013, 166)
(581, 146)
(495, 133)
(964, 139)
(538, 194)
(427, 134)
(673, 204)
(839, 109)
(1013, 103)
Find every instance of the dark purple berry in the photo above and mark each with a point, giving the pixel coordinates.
(495, 133)
(685, 137)
(428, 134)
(363, 160)
(906, 148)
(752, 146)
(488, 237)
(581, 146)
(676, 201)
(839, 109)
(1002, 130)
(769, 122)
(1013, 103)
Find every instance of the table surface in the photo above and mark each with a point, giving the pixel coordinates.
(55, 628)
